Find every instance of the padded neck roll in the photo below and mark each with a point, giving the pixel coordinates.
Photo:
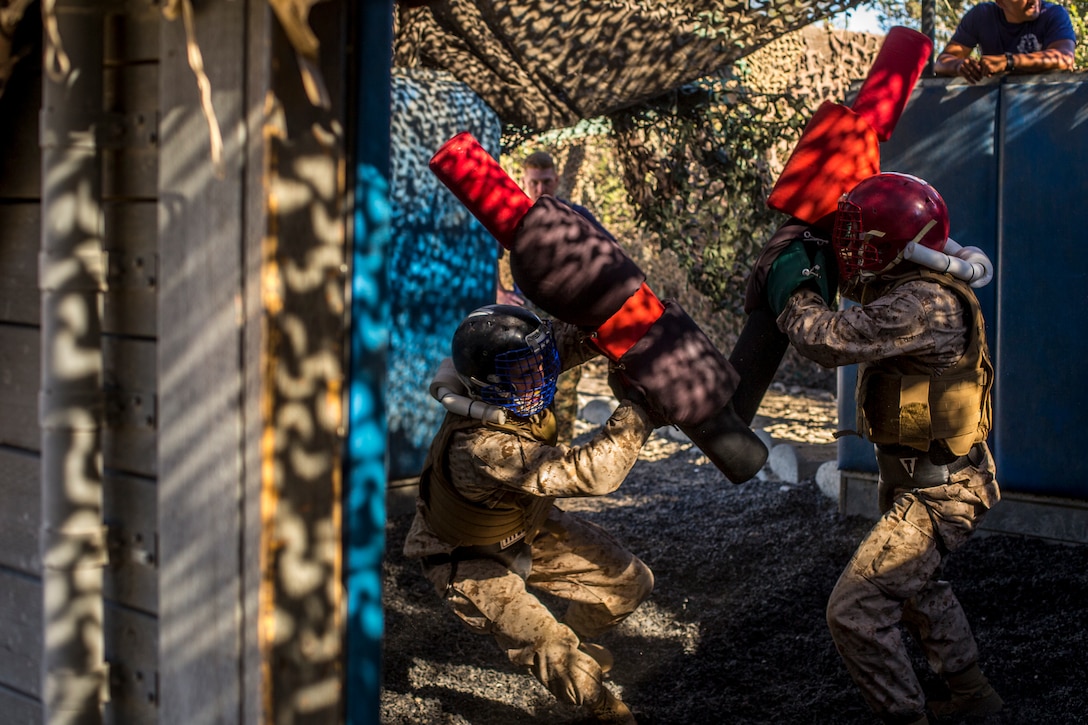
(485, 189)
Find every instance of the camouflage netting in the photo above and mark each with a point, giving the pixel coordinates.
(699, 163)
(548, 64)
(682, 179)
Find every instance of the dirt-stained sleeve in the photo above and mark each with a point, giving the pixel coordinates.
(501, 460)
(919, 318)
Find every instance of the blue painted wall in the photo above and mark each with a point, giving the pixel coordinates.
(364, 465)
(1011, 160)
(442, 262)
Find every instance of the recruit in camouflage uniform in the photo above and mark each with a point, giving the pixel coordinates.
(924, 399)
(475, 469)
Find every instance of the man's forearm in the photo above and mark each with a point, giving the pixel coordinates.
(1041, 61)
(947, 64)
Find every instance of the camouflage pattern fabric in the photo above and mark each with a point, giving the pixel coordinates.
(544, 64)
(565, 405)
(895, 575)
(601, 581)
(921, 319)
(490, 599)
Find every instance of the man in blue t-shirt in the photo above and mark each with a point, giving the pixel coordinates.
(1013, 36)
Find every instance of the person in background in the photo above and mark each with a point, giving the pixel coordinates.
(1013, 36)
(487, 528)
(539, 178)
(923, 393)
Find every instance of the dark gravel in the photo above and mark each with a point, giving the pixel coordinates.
(734, 631)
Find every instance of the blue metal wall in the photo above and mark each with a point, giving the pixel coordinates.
(1011, 160)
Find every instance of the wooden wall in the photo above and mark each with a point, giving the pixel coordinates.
(223, 359)
(129, 166)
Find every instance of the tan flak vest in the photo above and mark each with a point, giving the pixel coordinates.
(900, 401)
(462, 522)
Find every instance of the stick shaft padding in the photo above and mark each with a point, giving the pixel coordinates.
(837, 150)
(481, 184)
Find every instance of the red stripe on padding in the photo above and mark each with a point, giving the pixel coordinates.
(485, 189)
(622, 330)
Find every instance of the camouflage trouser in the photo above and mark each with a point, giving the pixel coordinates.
(566, 404)
(572, 559)
(893, 577)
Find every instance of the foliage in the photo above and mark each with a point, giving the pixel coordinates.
(1078, 13)
(696, 166)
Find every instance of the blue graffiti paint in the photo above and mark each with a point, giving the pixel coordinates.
(365, 471)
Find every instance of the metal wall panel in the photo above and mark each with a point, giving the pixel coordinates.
(1009, 159)
(1041, 400)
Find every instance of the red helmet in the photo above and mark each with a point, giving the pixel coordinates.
(882, 215)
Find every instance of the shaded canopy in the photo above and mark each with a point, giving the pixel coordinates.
(544, 64)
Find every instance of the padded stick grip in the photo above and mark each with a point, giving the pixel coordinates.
(678, 369)
(884, 94)
(729, 444)
(486, 190)
(756, 357)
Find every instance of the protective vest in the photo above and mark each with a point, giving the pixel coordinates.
(901, 402)
(460, 521)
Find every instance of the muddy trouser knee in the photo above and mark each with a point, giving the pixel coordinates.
(490, 599)
(590, 569)
(934, 616)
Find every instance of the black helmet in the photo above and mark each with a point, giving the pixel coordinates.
(506, 356)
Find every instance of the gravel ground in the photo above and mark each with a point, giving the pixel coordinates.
(734, 631)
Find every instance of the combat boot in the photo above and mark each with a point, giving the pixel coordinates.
(611, 710)
(971, 695)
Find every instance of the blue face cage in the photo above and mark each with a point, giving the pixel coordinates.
(526, 376)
